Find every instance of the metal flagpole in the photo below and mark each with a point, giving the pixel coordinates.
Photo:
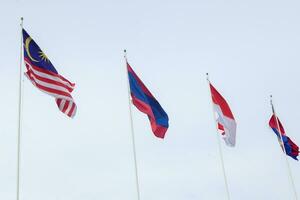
(283, 147)
(20, 113)
(132, 131)
(219, 146)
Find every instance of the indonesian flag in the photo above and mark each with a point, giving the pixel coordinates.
(225, 120)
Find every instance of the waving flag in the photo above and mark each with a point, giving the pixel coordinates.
(225, 120)
(291, 149)
(146, 103)
(44, 76)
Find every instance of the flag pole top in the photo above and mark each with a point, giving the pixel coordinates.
(22, 19)
(125, 54)
(271, 99)
(271, 102)
(207, 77)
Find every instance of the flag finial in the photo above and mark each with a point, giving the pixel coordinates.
(21, 24)
(207, 77)
(125, 54)
(271, 102)
(271, 99)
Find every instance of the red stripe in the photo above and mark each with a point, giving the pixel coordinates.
(158, 130)
(221, 128)
(66, 106)
(50, 90)
(72, 110)
(50, 81)
(27, 66)
(143, 107)
(58, 102)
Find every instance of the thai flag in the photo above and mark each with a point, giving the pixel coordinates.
(45, 77)
(225, 120)
(146, 103)
(291, 149)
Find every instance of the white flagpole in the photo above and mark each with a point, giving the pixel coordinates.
(20, 113)
(219, 145)
(132, 131)
(285, 156)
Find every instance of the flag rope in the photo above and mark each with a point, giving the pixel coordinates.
(285, 155)
(220, 147)
(132, 131)
(20, 115)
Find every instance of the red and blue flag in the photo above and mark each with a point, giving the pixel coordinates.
(290, 148)
(45, 77)
(146, 103)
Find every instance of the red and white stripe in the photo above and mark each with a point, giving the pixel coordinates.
(225, 119)
(54, 85)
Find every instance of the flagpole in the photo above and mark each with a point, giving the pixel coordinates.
(132, 131)
(283, 147)
(20, 114)
(219, 146)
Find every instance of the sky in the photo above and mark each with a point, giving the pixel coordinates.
(250, 50)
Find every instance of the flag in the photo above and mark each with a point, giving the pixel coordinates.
(291, 149)
(45, 77)
(225, 120)
(146, 103)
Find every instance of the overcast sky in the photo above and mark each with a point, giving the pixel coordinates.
(250, 48)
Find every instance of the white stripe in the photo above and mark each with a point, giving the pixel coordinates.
(74, 111)
(62, 104)
(58, 102)
(228, 124)
(69, 107)
(44, 75)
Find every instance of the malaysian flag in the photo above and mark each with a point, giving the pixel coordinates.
(44, 76)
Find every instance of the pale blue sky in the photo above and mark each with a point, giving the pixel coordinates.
(250, 49)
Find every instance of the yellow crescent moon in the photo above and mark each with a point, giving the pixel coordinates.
(27, 42)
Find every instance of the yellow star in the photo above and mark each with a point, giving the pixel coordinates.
(43, 56)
